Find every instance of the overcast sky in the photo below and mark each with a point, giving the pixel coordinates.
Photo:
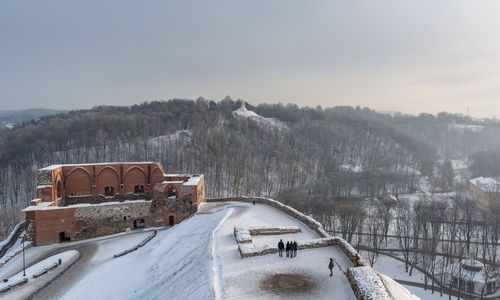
(409, 56)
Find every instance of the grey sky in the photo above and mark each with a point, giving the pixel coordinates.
(410, 56)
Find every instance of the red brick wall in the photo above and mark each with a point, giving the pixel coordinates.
(156, 175)
(49, 223)
(107, 176)
(134, 176)
(78, 182)
(92, 179)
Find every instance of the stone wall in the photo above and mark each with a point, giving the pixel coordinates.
(181, 207)
(93, 220)
(308, 221)
(89, 199)
(311, 223)
(358, 286)
(98, 220)
(367, 284)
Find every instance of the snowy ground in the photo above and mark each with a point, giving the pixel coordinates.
(427, 294)
(176, 264)
(15, 249)
(196, 259)
(94, 252)
(243, 278)
(395, 269)
(33, 284)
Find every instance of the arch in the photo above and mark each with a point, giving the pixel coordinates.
(78, 182)
(109, 191)
(139, 189)
(107, 177)
(171, 190)
(139, 223)
(59, 189)
(58, 184)
(134, 176)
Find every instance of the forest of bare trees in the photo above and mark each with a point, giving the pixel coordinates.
(297, 162)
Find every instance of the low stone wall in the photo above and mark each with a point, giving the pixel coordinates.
(11, 239)
(243, 235)
(364, 281)
(366, 284)
(311, 223)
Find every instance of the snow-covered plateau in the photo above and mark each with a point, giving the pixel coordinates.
(199, 259)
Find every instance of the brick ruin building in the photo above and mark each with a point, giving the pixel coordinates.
(81, 201)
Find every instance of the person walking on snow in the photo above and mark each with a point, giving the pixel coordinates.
(280, 248)
(330, 266)
(287, 249)
(294, 248)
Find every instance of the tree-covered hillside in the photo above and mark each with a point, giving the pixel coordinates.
(324, 153)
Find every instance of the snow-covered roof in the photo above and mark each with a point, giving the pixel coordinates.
(40, 206)
(42, 186)
(486, 184)
(469, 262)
(193, 180)
(52, 167)
(174, 181)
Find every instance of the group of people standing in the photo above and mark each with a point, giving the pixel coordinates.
(290, 248)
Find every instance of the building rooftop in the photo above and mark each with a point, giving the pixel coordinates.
(486, 184)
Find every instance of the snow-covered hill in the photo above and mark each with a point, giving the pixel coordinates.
(244, 113)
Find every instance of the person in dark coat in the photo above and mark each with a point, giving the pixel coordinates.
(295, 248)
(287, 249)
(281, 246)
(330, 266)
(357, 258)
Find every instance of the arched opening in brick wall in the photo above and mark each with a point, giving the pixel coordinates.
(78, 182)
(109, 191)
(139, 223)
(64, 237)
(133, 177)
(171, 220)
(171, 191)
(139, 189)
(106, 178)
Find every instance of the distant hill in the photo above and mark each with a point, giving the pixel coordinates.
(11, 118)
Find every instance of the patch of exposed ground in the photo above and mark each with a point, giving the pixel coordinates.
(288, 284)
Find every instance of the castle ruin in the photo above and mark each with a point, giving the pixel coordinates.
(81, 201)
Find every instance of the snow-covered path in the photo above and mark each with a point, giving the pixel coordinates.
(176, 264)
(243, 278)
